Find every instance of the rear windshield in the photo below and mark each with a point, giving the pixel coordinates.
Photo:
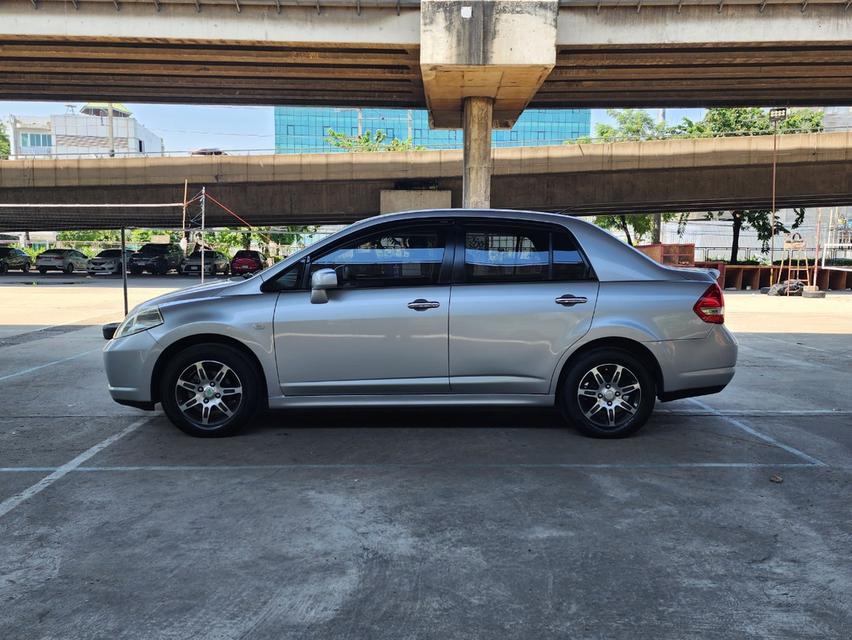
(246, 254)
(109, 253)
(56, 252)
(155, 248)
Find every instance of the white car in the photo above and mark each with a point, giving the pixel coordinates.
(107, 262)
(65, 260)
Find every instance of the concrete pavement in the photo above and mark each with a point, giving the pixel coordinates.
(429, 524)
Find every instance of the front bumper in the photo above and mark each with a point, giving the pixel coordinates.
(102, 268)
(129, 364)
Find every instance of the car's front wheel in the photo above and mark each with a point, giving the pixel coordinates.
(608, 393)
(26, 267)
(69, 268)
(210, 390)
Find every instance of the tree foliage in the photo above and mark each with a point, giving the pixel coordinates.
(370, 141)
(4, 142)
(637, 124)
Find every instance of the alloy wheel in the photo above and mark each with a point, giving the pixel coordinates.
(609, 395)
(208, 393)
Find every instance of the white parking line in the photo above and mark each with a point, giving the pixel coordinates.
(47, 364)
(184, 468)
(10, 503)
(757, 434)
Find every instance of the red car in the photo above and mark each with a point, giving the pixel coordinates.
(247, 261)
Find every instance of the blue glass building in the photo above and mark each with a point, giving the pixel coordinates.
(305, 129)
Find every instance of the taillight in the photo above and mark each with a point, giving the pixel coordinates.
(711, 305)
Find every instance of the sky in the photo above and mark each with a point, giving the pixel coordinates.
(188, 127)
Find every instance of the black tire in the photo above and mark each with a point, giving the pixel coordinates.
(69, 268)
(579, 375)
(136, 271)
(226, 271)
(26, 267)
(246, 373)
(42, 270)
(4, 268)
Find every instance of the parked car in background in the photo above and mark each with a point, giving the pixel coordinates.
(11, 258)
(247, 261)
(107, 262)
(156, 258)
(455, 307)
(214, 262)
(65, 260)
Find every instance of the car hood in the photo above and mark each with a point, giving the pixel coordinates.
(198, 292)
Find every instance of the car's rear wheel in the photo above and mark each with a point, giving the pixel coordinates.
(3, 267)
(210, 390)
(69, 268)
(42, 270)
(26, 267)
(607, 393)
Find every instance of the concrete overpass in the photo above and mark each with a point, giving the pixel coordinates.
(473, 64)
(622, 177)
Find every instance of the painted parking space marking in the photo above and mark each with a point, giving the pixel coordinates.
(60, 472)
(757, 434)
(23, 372)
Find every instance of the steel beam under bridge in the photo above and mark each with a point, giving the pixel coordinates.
(623, 177)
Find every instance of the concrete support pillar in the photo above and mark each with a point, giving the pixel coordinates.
(476, 184)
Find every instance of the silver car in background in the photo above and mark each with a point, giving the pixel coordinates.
(65, 260)
(214, 262)
(445, 307)
(108, 262)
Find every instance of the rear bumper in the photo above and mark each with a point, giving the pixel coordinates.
(697, 366)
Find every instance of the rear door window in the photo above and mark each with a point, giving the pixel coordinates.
(506, 252)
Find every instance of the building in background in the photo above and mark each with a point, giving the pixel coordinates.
(305, 129)
(83, 134)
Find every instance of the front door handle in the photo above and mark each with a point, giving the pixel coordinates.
(421, 304)
(569, 300)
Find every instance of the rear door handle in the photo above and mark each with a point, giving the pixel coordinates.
(569, 300)
(421, 304)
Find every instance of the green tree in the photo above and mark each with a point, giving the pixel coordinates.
(750, 121)
(757, 219)
(4, 142)
(630, 124)
(369, 141)
(746, 121)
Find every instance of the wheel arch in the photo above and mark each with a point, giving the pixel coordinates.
(633, 347)
(206, 338)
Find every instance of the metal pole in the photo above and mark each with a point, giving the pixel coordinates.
(111, 133)
(816, 248)
(772, 212)
(203, 208)
(124, 268)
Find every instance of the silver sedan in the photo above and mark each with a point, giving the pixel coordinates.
(450, 307)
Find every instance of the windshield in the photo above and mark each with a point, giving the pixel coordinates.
(156, 249)
(55, 252)
(246, 254)
(109, 253)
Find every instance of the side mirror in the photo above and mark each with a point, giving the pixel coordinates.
(109, 330)
(321, 281)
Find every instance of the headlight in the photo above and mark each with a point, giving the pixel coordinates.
(139, 321)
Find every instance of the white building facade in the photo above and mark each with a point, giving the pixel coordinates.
(83, 135)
